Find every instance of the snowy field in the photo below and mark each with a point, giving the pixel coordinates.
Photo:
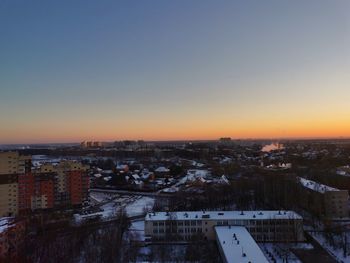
(110, 204)
(139, 206)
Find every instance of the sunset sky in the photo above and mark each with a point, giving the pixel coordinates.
(183, 69)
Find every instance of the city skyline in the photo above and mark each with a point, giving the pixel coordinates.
(173, 70)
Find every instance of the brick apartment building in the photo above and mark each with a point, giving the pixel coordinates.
(12, 165)
(24, 189)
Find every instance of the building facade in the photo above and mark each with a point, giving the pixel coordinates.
(12, 166)
(325, 201)
(63, 184)
(264, 226)
(24, 189)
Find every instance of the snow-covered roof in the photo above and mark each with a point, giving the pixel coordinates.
(343, 171)
(224, 179)
(135, 176)
(146, 175)
(170, 190)
(201, 179)
(162, 169)
(107, 172)
(5, 223)
(315, 186)
(121, 166)
(226, 160)
(198, 172)
(237, 245)
(223, 215)
(194, 174)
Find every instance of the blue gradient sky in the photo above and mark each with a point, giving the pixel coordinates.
(105, 70)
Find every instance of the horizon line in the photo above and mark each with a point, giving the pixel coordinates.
(192, 140)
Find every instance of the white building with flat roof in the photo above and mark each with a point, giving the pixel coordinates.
(264, 226)
(236, 245)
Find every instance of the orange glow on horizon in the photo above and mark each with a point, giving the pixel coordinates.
(256, 130)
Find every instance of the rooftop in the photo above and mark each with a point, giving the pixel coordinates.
(162, 169)
(315, 186)
(237, 245)
(5, 223)
(222, 215)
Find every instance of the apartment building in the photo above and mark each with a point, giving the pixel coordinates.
(12, 166)
(13, 163)
(91, 144)
(8, 195)
(23, 189)
(264, 226)
(71, 182)
(324, 201)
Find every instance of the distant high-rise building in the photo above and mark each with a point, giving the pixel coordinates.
(91, 144)
(225, 141)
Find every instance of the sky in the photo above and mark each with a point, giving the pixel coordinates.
(171, 70)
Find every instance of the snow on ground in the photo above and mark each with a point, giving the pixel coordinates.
(139, 206)
(162, 253)
(336, 251)
(110, 204)
(101, 197)
(280, 251)
(139, 228)
(193, 175)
